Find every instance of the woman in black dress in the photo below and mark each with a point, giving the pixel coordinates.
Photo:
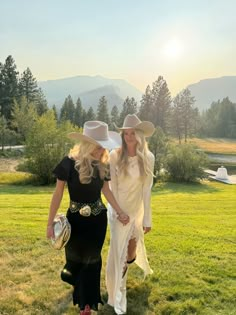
(86, 172)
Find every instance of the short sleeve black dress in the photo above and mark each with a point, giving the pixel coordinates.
(83, 250)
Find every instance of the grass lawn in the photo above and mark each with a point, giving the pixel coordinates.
(191, 248)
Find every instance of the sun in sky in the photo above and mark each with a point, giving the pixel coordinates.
(172, 49)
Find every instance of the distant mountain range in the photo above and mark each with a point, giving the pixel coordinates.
(211, 90)
(90, 89)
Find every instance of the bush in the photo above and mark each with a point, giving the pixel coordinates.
(46, 144)
(185, 164)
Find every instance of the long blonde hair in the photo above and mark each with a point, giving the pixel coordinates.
(85, 162)
(141, 152)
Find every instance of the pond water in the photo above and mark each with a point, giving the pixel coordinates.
(222, 158)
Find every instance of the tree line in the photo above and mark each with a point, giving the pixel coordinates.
(22, 102)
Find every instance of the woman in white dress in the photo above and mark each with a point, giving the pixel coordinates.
(131, 168)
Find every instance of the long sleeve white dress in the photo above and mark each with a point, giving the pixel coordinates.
(133, 194)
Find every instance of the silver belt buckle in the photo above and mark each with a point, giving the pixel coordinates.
(85, 211)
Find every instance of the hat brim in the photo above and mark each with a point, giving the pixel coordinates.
(114, 140)
(230, 180)
(145, 126)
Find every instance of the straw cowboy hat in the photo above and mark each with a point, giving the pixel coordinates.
(96, 132)
(133, 122)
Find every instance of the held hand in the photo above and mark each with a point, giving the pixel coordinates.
(146, 229)
(50, 232)
(123, 218)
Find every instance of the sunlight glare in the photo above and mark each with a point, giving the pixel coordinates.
(173, 49)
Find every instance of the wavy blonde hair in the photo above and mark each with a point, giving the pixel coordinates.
(85, 161)
(141, 152)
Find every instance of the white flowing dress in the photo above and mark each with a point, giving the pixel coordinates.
(133, 195)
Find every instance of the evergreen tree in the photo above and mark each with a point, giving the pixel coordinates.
(189, 113)
(7, 136)
(210, 119)
(41, 103)
(8, 86)
(68, 110)
(161, 104)
(55, 112)
(3, 131)
(84, 115)
(79, 119)
(90, 115)
(177, 126)
(114, 117)
(196, 127)
(226, 125)
(102, 111)
(184, 115)
(146, 107)
(129, 107)
(28, 86)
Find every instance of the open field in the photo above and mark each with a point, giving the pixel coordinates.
(191, 248)
(215, 145)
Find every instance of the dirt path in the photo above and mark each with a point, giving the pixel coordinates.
(9, 165)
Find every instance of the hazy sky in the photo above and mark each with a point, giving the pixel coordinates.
(134, 40)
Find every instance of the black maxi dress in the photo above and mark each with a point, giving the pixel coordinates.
(83, 250)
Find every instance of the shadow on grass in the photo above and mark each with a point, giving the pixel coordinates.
(140, 292)
(188, 188)
(65, 304)
(137, 301)
(25, 189)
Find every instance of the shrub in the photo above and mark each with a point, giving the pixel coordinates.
(185, 164)
(46, 144)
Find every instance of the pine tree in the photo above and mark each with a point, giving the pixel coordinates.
(114, 117)
(184, 115)
(220, 119)
(6, 134)
(226, 126)
(161, 103)
(177, 126)
(146, 107)
(129, 107)
(84, 115)
(102, 111)
(55, 112)
(40, 102)
(210, 119)
(68, 110)
(78, 119)
(28, 86)
(188, 113)
(8, 86)
(90, 115)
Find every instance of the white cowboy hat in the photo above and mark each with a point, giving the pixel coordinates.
(96, 132)
(133, 122)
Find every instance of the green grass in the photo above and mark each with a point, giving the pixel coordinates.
(191, 248)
